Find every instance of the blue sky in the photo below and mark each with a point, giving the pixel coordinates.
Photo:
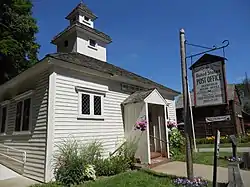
(146, 33)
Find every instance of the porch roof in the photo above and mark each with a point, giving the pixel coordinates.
(140, 96)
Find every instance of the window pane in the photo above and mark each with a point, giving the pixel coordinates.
(18, 116)
(97, 105)
(26, 115)
(86, 104)
(4, 115)
(92, 43)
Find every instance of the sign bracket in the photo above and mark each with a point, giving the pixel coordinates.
(225, 44)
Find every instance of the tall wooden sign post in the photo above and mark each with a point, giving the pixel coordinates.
(216, 156)
(187, 124)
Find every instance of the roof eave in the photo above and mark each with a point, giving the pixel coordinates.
(78, 8)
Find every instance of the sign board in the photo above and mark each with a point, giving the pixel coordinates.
(209, 84)
(218, 118)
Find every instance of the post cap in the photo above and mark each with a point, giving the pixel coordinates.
(182, 31)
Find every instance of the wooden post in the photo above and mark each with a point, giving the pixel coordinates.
(216, 155)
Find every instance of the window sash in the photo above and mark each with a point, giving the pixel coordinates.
(23, 115)
(93, 111)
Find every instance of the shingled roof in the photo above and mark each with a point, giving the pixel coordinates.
(81, 7)
(86, 28)
(138, 96)
(92, 63)
(230, 96)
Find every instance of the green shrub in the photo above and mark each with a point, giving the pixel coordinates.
(76, 163)
(244, 139)
(73, 160)
(176, 142)
(121, 161)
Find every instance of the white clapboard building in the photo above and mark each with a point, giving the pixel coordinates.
(76, 92)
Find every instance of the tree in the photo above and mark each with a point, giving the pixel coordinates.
(18, 46)
(244, 91)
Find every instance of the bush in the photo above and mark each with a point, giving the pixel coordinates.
(122, 161)
(72, 162)
(176, 142)
(76, 163)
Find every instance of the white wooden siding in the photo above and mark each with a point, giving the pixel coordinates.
(171, 109)
(35, 143)
(109, 131)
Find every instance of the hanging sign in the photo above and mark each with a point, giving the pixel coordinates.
(218, 118)
(209, 84)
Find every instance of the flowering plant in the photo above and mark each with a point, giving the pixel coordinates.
(141, 125)
(171, 124)
(234, 159)
(196, 182)
(89, 172)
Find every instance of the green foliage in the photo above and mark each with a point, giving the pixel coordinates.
(123, 160)
(176, 142)
(223, 140)
(18, 46)
(76, 163)
(50, 184)
(73, 160)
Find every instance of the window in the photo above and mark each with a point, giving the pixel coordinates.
(86, 18)
(3, 122)
(23, 115)
(90, 105)
(92, 43)
(66, 43)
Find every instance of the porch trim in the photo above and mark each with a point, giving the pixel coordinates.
(165, 116)
(148, 137)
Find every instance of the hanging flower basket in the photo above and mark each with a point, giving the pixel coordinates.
(171, 124)
(141, 125)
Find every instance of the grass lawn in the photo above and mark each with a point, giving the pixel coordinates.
(206, 158)
(222, 145)
(132, 179)
(142, 178)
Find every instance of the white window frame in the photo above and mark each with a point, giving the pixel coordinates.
(3, 105)
(22, 98)
(91, 93)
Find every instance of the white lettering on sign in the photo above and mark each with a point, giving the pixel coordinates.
(209, 84)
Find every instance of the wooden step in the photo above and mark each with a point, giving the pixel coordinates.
(154, 155)
(158, 161)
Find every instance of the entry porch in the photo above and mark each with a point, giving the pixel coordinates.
(149, 108)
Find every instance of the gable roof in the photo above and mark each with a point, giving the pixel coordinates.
(82, 8)
(79, 25)
(95, 64)
(137, 96)
(206, 59)
(230, 96)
